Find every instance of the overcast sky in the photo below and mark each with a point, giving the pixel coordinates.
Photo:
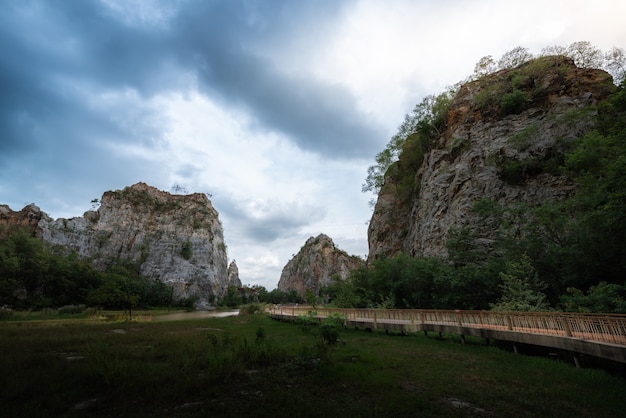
(275, 108)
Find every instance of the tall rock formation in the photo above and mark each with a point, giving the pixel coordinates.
(177, 239)
(489, 151)
(233, 275)
(314, 266)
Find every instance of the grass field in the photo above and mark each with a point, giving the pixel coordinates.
(254, 366)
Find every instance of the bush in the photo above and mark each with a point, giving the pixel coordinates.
(72, 309)
(307, 322)
(329, 333)
(514, 102)
(6, 313)
(186, 250)
(251, 309)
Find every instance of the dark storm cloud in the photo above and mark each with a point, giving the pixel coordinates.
(47, 44)
(52, 59)
(219, 41)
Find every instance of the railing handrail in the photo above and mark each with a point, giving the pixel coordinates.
(600, 327)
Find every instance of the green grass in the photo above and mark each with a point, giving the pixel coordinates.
(253, 366)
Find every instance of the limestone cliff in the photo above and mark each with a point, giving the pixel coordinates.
(177, 239)
(489, 151)
(314, 266)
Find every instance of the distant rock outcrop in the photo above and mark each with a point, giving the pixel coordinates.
(314, 266)
(28, 217)
(485, 154)
(176, 239)
(233, 275)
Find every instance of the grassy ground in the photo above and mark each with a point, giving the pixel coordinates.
(253, 366)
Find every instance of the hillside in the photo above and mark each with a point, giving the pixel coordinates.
(511, 187)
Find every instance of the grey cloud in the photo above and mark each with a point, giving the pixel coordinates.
(265, 221)
(318, 117)
(77, 41)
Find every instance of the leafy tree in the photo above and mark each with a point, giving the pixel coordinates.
(277, 296)
(486, 65)
(514, 58)
(585, 54)
(554, 50)
(232, 299)
(521, 288)
(616, 64)
(341, 293)
(604, 297)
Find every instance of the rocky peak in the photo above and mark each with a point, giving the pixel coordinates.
(28, 217)
(504, 135)
(315, 265)
(233, 275)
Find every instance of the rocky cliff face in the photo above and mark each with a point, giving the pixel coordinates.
(484, 153)
(177, 239)
(314, 266)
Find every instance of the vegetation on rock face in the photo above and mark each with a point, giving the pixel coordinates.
(405, 151)
(556, 255)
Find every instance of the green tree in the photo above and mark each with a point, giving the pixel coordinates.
(521, 288)
(603, 297)
(232, 299)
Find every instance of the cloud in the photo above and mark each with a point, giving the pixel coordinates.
(265, 221)
(316, 115)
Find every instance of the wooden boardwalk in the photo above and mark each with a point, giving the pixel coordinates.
(600, 335)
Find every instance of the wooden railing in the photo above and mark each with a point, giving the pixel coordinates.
(606, 328)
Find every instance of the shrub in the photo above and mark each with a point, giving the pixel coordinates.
(251, 309)
(186, 250)
(6, 313)
(307, 322)
(72, 309)
(329, 333)
(514, 102)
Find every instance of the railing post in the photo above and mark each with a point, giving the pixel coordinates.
(566, 326)
(509, 323)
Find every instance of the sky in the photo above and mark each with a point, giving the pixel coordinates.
(275, 108)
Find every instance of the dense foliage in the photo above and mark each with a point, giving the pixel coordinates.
(237, 296)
